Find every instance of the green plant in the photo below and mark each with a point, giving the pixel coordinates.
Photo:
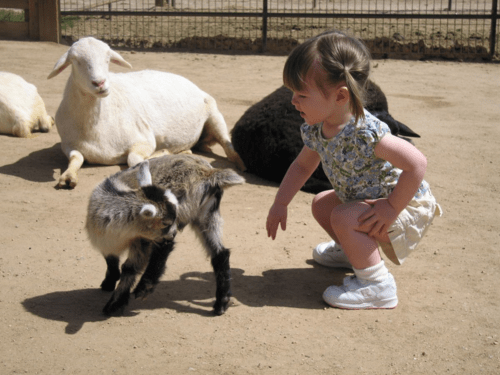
(11, 16)
(68, 21)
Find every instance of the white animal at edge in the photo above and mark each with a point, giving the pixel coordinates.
(22, 109)
(117, 118)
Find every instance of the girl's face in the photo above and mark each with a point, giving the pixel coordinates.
(313, 106)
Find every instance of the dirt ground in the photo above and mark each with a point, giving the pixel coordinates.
(448, 318)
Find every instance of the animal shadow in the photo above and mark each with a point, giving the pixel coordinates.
(37, 166)
(193, 294)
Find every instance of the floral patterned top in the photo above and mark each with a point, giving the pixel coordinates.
(349, 160)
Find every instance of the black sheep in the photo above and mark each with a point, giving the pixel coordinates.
(267, 136)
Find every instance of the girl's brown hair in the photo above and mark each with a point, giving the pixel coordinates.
(331, 57)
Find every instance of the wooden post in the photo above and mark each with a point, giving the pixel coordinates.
(34, 29)
(48, 20)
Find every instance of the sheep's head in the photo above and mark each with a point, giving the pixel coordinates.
(90, 60)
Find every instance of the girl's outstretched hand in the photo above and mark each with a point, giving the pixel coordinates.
(376, 220)
(277, 215)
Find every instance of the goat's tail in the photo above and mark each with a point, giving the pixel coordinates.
(226, 178)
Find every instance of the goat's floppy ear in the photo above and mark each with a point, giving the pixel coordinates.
(171, 198)
(118, 60)
(61, 64)
(144, 175)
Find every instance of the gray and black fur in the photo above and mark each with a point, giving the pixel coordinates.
(267, 136)
(142, 209)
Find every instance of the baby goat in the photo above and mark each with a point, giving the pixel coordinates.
(142, 208)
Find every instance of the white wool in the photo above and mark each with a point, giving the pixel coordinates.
(108, 118)
(22, 109)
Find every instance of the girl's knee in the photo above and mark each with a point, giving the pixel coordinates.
(316, 206)
(323, 204)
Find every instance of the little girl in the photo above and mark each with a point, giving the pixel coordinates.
(379, 196)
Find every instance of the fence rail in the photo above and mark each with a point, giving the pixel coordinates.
(391, 28)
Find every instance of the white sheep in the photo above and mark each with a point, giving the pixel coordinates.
(117, 118)
(22, 109)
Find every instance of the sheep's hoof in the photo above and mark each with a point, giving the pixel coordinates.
(67, 183)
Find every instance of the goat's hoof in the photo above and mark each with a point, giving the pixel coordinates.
(113, 309)
(220, 307)
(143, 290)
(116, 305)
(108, 286)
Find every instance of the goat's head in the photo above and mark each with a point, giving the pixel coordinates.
(157, 207)
(90, 60)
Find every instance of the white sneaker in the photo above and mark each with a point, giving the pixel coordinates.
(330, 254)
(360, 294)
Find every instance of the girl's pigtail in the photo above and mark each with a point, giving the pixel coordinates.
(356, 93)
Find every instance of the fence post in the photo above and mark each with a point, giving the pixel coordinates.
(33, 24)
(493, 30)
(264, 25)
(48, 20)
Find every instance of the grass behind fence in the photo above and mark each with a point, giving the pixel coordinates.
(11, 16)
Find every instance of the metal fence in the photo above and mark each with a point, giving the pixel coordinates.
(455, 29)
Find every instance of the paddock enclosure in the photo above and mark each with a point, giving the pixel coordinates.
(395, 28)
(451, 29)
(447, 321)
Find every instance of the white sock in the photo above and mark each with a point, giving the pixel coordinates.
(376, 273)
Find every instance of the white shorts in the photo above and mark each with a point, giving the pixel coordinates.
(410, 227)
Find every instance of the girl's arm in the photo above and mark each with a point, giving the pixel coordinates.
(300, 170)
(412, 162)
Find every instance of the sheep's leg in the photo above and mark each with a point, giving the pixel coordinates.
(112, 273)
(155, 269)
(45, 124)
(70, 177)
(22, 130)
(135, 263)
(216, 128)
(139, 152)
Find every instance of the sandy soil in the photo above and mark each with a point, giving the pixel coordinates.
(448, 318)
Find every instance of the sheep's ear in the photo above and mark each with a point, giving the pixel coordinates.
(61, 64)
(118, 60)
(144, 175)
(171, 198)
(148, 211)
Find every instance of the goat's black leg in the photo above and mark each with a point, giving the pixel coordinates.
(220, 264)
(209, 229)
(112, 273)
(135, 263)
(155, 269)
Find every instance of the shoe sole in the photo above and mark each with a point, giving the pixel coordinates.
(332, 265)
(386, 304)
